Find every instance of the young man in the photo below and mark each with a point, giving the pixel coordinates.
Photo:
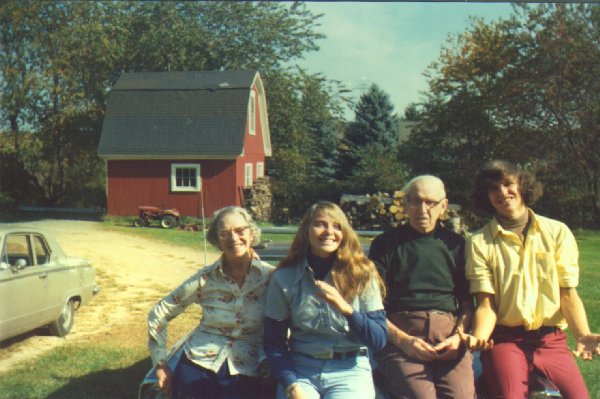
(523, 270)
(422, 265)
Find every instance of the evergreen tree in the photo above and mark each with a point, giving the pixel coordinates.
(375, 122)
(412, 113)
(322, 115)
(304, 117)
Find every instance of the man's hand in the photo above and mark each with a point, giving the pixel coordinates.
(448, 348)
(164, 377)
(473, 343)
(418, 348)
(588, 346)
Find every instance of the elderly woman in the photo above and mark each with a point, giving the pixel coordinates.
(523, 270)
(329, 294)
(221, 354)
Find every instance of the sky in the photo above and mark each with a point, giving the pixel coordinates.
(389, 43)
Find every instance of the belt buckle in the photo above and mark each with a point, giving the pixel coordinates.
(323, 356)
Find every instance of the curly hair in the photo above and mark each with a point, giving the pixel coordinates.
(496, 171)
(352, 270)
(212, 235)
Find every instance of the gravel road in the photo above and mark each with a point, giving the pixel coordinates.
(133, 274)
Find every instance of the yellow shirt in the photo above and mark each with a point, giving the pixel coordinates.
(525, 278)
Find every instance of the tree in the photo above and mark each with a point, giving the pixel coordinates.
(58, 61)
(305, 122)
(375, 127)
(378, 170)
(217, 35)
(374, 120)
(321, 109)
(412, 113)
(526, 90)
(54, 56)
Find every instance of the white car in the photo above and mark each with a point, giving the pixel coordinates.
(40, 285)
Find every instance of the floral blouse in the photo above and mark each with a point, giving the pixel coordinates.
(232, 319)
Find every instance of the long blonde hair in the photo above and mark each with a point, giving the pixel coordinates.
(352, 270)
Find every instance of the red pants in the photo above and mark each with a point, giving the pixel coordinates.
(517, 352)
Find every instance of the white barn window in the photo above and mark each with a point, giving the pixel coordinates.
(252, 113)
(185, 177)
(248, 174)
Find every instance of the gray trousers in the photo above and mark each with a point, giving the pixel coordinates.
(405, 377)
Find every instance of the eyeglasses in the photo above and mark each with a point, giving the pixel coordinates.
(416, 203)
(238, 231)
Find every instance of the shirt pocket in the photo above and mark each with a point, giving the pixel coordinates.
(545, 266)
(309, 314)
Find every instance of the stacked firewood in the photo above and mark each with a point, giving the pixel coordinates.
(257, 199)
(378, 211)
(382, 211)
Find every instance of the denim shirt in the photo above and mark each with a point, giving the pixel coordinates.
(316, 328)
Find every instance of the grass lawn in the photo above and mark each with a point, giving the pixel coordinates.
(111, 366)
(181, 237)
(589, 291)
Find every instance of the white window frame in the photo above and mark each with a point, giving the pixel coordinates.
(252, 113)
(195, 167)
(248, 175)
(260, 169)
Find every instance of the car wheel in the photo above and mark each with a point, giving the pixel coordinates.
(139, 222)
(62, 326)
(168, 221)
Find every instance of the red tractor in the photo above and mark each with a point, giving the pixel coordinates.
(167, 218)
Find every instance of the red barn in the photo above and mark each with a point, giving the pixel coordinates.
(175, 139)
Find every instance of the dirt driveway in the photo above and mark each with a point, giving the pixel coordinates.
(133, 274)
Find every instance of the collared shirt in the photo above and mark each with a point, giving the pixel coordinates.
(232, 318)
(525, 277)
(316, 328)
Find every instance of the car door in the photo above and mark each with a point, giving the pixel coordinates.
(57, 278)
(23, 287)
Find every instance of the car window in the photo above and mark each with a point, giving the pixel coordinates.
(3, 261)
(17, 247)
(40, 247)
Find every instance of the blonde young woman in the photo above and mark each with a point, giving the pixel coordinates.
(329, 295)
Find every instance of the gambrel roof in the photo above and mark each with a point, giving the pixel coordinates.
(199, 114)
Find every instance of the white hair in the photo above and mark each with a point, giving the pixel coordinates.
(434, 180)
(219, 215)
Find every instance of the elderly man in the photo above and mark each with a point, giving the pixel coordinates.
(428, 300)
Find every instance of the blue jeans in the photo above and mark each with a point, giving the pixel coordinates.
(332, 379)
(195, 382)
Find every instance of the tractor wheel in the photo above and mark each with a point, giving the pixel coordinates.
(168, 222)
(139, 222)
